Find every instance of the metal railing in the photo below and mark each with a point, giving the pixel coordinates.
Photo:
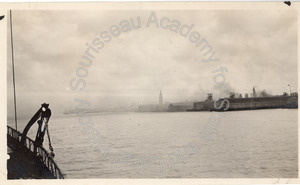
(41, 152)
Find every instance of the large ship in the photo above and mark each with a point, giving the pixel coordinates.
(233, 103)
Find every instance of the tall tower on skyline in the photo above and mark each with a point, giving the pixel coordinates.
(254, 93)
(161, 101)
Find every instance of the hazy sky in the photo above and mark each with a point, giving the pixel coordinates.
(258, 48)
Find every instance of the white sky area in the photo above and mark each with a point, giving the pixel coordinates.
(258, 48)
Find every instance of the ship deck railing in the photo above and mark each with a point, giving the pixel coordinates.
(43, 155)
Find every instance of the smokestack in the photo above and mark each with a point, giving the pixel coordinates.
(264, 94)
(232, 95)
(209, 96)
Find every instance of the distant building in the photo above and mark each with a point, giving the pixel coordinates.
(180, 107)
(146, 108)
(161, 101)
(160, 107)
(153, 108)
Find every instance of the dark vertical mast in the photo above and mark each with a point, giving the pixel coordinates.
(13, 70)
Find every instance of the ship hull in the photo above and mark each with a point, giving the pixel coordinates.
(239, 104)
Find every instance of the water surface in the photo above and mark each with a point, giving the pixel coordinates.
(246, 144)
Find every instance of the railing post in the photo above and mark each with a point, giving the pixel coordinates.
(55, 171)
(52, 170)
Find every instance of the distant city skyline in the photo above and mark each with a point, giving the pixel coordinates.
(258, 48)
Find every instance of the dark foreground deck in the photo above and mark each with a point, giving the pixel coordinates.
(25, 164)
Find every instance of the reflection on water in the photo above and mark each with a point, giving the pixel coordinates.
(261, 144)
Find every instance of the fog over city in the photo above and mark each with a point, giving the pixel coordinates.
(258, 48)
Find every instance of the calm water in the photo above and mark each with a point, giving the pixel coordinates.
(260, 143)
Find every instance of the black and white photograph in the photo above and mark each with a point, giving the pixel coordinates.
(151, 93)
